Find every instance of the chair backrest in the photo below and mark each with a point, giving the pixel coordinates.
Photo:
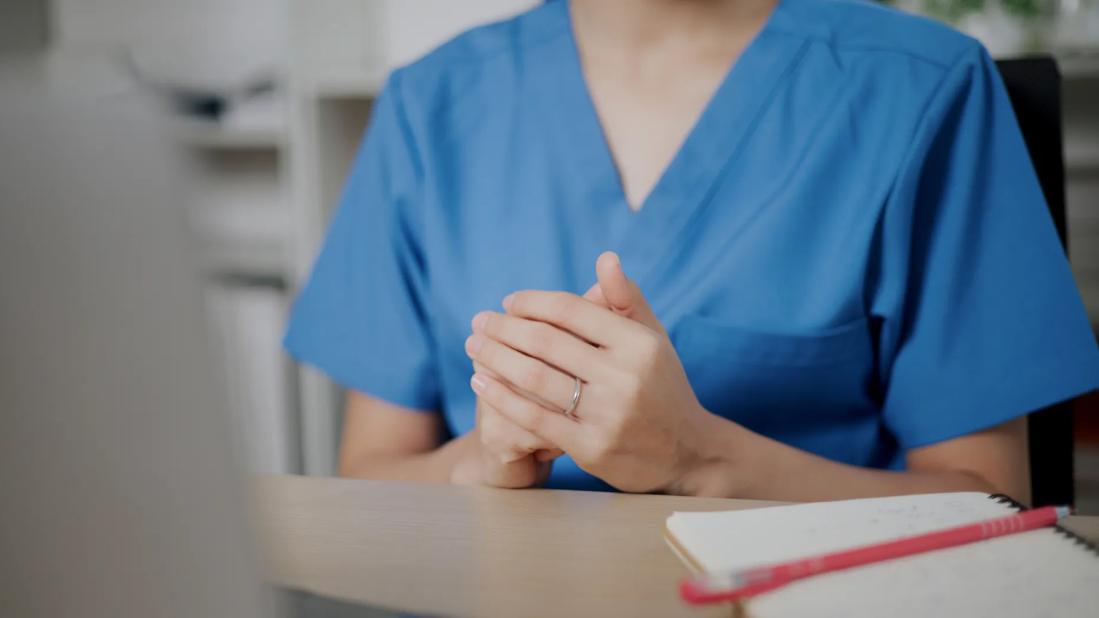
(1034, 86)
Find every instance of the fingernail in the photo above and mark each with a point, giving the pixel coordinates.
(479, 321)
(507, 301)
(478, 383)
(473, 344)
(618, 263)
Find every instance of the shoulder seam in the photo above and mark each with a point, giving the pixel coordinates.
(920, 125)
(901, 52)
(840, 47)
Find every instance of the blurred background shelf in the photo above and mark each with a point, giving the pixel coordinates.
(258, 263)
(215, 135)
(351, 81)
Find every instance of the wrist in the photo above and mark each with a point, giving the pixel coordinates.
(467, 468)
(713, 465)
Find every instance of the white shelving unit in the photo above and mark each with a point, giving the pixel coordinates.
(239, 211)
(208, 134)
(239, 215)
(344, 82)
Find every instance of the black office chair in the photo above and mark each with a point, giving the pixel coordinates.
(1034, 86)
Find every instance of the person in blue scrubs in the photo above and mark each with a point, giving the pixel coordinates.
(791, 250)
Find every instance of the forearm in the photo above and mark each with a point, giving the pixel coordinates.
(735, 462)
(433, 466)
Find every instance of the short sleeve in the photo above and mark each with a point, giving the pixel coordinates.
(361, 318)
(981, 321)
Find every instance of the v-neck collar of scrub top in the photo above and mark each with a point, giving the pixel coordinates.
(688, 182)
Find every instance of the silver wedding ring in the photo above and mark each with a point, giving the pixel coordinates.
(575, 398)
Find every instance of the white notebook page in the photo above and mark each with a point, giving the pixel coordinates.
(1037, 573)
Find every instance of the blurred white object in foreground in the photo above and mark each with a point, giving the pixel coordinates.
(121, 497)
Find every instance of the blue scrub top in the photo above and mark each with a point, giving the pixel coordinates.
(850, 251)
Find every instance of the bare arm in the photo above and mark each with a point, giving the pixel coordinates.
(993, 460)
(384, 441)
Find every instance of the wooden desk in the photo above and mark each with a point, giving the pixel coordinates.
(441, 549)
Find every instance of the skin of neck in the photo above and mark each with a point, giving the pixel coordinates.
(631, 26)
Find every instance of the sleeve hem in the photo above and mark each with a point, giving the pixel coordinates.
(370, 381)
(1003, 409)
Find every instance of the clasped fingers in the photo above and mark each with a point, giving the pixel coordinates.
(508, 441)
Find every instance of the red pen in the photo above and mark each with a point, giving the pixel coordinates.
(719, 588)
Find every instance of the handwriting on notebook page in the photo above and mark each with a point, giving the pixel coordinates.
(1037, 573)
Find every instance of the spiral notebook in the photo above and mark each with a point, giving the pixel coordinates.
(1048, 572)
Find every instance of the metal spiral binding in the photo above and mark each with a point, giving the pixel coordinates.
(1069, 534)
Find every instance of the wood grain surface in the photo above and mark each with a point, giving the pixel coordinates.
(469, 551)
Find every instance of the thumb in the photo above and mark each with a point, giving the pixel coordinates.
(620, 293)
(595, 295)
